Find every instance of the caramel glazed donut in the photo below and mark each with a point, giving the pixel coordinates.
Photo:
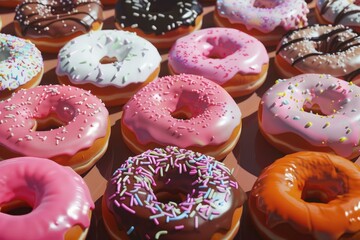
(161, 22)
(50, 24)
(172, 193)
(324, 49)
(307, 195)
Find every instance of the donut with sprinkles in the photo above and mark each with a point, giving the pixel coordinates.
(159, 21)
(172, 193)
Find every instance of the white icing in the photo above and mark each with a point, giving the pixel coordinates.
(336, 7)
(136, 58)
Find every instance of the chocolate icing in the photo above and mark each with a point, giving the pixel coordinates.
(55, 18)
(342, 14)
(175, 171)
(157, 16)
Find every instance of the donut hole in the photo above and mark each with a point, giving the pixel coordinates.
(160, 6)
(322, 190)
(165, 196)
(108, 60)
(221, 48)
(16, 208)
(4, 53)
(266, 3)
(324, 103)
(47, 124)
(182, 113)
(189, 105)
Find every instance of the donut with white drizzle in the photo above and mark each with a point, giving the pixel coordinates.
(113, 64)
(172, 193)
(314, 112)
(62, 123)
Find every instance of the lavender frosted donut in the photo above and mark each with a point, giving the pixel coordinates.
(172, 193)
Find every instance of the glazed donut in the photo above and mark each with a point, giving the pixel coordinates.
(312, 112)
(327, 49)
(113, 64)
(59, 200)
(50, 24)
(9, 3)
(345, 12)
(62, 123)
(307, 195)
(167, 193)
(232, 59)
(159, 21)
(187, 111)
(21, 65)
(267, 20)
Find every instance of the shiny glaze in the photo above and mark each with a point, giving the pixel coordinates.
(214, 114)
(337, 127)
(84, 119)
(55, 18)
(327, 49)
(343, 12)
(264, 15)
(79, 59)
(211, 195)
(277, 194)
(237, 52)
(157, 16)
(59, 197)
(20, 61)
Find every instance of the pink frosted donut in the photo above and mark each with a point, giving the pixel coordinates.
(267, 20)
(184, 110)
(229, 57)
(60, 200)
(312, 112)
(62, 123)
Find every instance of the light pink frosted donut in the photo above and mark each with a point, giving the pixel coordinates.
(184, 110)
(59, 198)
(79, 137)
(226, 56)
(312, 112)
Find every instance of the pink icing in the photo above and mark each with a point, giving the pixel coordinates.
(238, 52)
(84, 115)
(59, 197)
(215, 114)
(264, 15)
(337, 127)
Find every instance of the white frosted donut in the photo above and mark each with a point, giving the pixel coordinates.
(112, 64)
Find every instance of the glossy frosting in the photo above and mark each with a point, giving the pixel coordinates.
(327, 49)
(264, 15)
(237, 52)
(59, 197)
(79, 59)
(211, 195)
(337, 127)
(20, 61)
(57, 18)
(345, 12)
(215, 114)
(84, 116)
(279, 195)
(157, 16)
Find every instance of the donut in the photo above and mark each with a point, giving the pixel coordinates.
(65, 124)
(21, 65)
(345, 12)
(166, 193)
(9, 3)
(307, 195)
(267, 20)
(324, 49)
(314, 112)
(232, 59)
(50, 24)
(187, 111)
(159, 21)
(113, 64)
(58, 198)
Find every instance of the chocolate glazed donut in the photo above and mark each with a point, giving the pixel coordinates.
(157, 16)
(54, 18)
